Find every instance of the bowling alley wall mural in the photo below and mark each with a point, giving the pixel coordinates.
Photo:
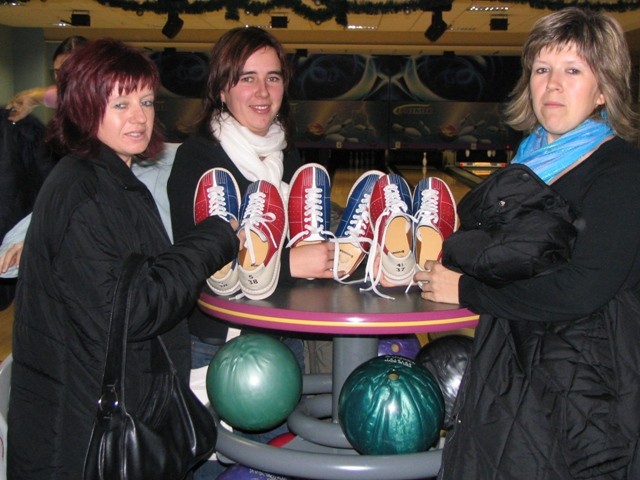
(373, 101)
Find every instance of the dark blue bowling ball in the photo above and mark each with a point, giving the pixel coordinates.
(446, 358)
(405, 346)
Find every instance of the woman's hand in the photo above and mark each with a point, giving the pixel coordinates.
(438, 283)
(11, 257)
(20, 106)
(312, 260)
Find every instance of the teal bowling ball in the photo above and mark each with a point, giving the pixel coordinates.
(254, 382)
(391, 405)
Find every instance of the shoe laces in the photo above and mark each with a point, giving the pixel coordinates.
(217, 202)
(313, 218)
(254, 216)
(355, 233)
(394, 206)
(427, 213)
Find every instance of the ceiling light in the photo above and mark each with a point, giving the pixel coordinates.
(437, 27)
(477, 8)
(173, 25)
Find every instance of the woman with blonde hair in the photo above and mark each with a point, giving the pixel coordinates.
(552, 389)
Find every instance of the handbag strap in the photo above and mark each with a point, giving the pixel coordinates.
(112, 396)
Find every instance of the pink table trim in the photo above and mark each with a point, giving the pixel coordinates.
(337, 322)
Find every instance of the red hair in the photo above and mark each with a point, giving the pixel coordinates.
(85, 83)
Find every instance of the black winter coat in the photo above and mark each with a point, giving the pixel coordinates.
(552, 390)
(90, 215)
(512, 226)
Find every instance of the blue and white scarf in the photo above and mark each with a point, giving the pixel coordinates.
(548, 160)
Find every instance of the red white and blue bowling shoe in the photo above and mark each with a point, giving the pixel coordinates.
(434, 210)
(217, 193)
(355, 232)
(390, 211)
(263, 218)
(309, 205)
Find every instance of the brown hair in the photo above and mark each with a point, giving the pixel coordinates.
(227, 59)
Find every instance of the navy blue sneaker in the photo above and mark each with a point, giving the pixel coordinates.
(355, 232)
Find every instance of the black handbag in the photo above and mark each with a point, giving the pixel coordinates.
(173, 430)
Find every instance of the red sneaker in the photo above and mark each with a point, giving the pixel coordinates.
(217, 193)
(390, 211)
(309, 205)
(264, 221)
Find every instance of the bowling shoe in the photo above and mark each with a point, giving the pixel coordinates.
(217, 193)
(355, 233)
(390, 211)
(434, 210)
(263, 218)
(309, 205)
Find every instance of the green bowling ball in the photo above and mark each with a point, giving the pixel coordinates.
(391, 405)
(254, 382)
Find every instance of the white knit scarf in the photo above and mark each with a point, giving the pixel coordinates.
(257, 157)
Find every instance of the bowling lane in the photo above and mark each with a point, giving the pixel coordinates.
(344, 178)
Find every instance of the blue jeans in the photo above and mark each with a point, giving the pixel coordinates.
(201, 355)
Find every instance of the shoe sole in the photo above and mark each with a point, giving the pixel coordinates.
(429, 245)
(260, 249)
(398, 242)
(350, 258)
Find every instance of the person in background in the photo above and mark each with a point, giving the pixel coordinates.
(24, 102)
(552, 389)
(90, 215)
(17, 109)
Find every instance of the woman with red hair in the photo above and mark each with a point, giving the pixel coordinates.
(90, 215)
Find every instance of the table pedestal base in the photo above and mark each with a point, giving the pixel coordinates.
(320, 449)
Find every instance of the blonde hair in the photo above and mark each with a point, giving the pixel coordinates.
(599, 40)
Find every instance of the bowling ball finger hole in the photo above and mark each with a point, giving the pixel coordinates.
(393, 376)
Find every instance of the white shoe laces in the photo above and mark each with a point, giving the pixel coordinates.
(313, 218)
(427, 213)
(394, 206)
(254, 215)
(355, 234)
(217, 202)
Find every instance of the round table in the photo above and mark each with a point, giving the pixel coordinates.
(353, 319)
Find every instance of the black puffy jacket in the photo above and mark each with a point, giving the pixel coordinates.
(89, 216)
(553, 386)
(512, 226)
